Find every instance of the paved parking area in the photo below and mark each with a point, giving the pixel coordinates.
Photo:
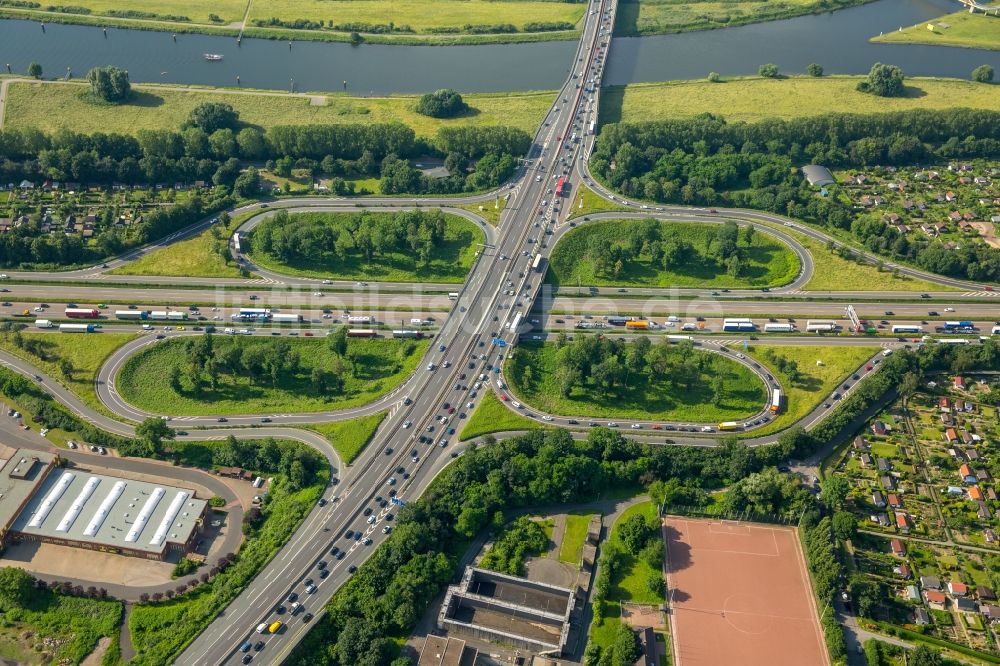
(68, 562)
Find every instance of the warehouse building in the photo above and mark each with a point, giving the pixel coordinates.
(94, 511)
(509, 610)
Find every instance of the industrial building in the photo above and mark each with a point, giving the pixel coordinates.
(506, 609)
(41, 502)
(446, 651)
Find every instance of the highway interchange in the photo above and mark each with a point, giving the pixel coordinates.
(465, 330)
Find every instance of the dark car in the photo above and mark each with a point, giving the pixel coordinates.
(368, 511)
(321, 564)
(258, 646)
(279, 609)
(307, 617)
(335, 550)
(247, 658)
(324, 573)
(265, 420)
(349, 534)
(292, 596)
(351, 569)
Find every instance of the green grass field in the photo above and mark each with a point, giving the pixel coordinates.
(642, 398)
(449, 263)
(817, 381)
(753, 99)
(771, 263)
(627, 584)
(488, 210)
(650, 17)
(350, 437)
(382, 365)
(194, 257)
(51, 106)
(586, 202)
(86, 353)
(70, 627)
(974, 31)
(491, 416)
(571, 548)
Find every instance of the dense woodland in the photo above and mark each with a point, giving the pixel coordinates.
(310, 238)
(708, 161)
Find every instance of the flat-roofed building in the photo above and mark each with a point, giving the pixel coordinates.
(505, 609)
(20, 476)
(98, 512)
(446, 651)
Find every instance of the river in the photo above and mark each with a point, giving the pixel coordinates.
(838, 41)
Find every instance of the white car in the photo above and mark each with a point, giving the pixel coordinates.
(407, 424)
(636, 426)
(949, 309)
(546, 418)
(327, 281)
(147, 327)
(317, 293)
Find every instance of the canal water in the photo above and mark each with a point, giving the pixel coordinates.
(838, 41)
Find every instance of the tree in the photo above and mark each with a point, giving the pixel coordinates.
(66, 368)
(154, 430)
(35, 70)
(982, 74)
(924, 656)
(444, 103)
(812, 69)
(834, 489)
(844, 525)
(768, 71)
(212, 116)
(15, 587)
(635, 531)
(625, 649)
(338, 341)
(109, 83)
(713, 77)
(884, 81)
(246, 185)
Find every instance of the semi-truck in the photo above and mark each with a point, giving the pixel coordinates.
(776, 401)
(360, 319)
(907, 328)
(361, 333)
(742, 324)
(286, 318)
(76, 328)
(729, 425)
(779, 328)
(958, 326)
(537, 264)
(44, 323)
(407, 333)
(168, 315)
(637, 325)
(82, 313)
(132, 314)
(821, 326)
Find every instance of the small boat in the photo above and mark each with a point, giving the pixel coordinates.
(213, 56)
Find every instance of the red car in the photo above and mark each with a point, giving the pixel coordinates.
(451, 411)
(987, 288)
(308, 334)
(503, 396)
(657, 427)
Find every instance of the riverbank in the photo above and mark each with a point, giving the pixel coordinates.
(971, 31)
(433, 22)
(54, 105)
(661, 17)
(754, 98)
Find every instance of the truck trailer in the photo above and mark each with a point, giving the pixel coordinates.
(76, 328)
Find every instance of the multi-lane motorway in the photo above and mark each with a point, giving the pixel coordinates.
(500, 287)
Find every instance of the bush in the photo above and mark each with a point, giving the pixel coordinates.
(713, 77)
(768, 71)
(982, 74)
(212, 116)
(444, 103)
(35, 70)
(814, 69)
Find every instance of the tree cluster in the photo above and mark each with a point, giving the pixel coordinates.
(109, 83)
(205, 364)
(821, 558)
(519, 540)
(767, 493)
(707, 161)
(316, 238)
(444, 103)
(883, 80)
(298, 463)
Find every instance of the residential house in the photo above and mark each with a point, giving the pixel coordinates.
(935, 599)
(903, 522)
(950, 435)
(898, 548)
(944, 405)
(921, 617)
(990, 613)
(984, 593)
(966, 474)
(883, 465)
(966, 437)
(983, 474)
(990, 536)
(879, 428)
(991, 494)
(955, 490)
(969, 406)
(894, 501)
(878, 499)
(881, 519)
(888, 482)
(971, 454)
(954, 216)
(930, 582)
(903, 571)
(964, 605)
(975, 494)
(912, 593)
(983, 511)
(860, 444)
(865, 460)
(959, 383)
(957, 588)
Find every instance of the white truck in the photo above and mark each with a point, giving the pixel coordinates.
(44, 323)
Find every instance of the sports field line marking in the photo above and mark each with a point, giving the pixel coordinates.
(689, 534)
(723, 612)
(724, 529)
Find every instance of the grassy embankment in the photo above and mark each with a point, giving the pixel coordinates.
(963, 29)
(771, 263)
(815, 383)
(752, 99)
(53, 628)
(195, 257)
(380, 365)
(85, 354)
(643, 398)
(350, 437)
(492, 416)
(586, 202)
(50, 106)
(414, 22)
(450, 262)
(653, 17)
(627, 584)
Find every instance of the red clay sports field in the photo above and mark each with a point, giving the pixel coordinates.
(739, 593)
